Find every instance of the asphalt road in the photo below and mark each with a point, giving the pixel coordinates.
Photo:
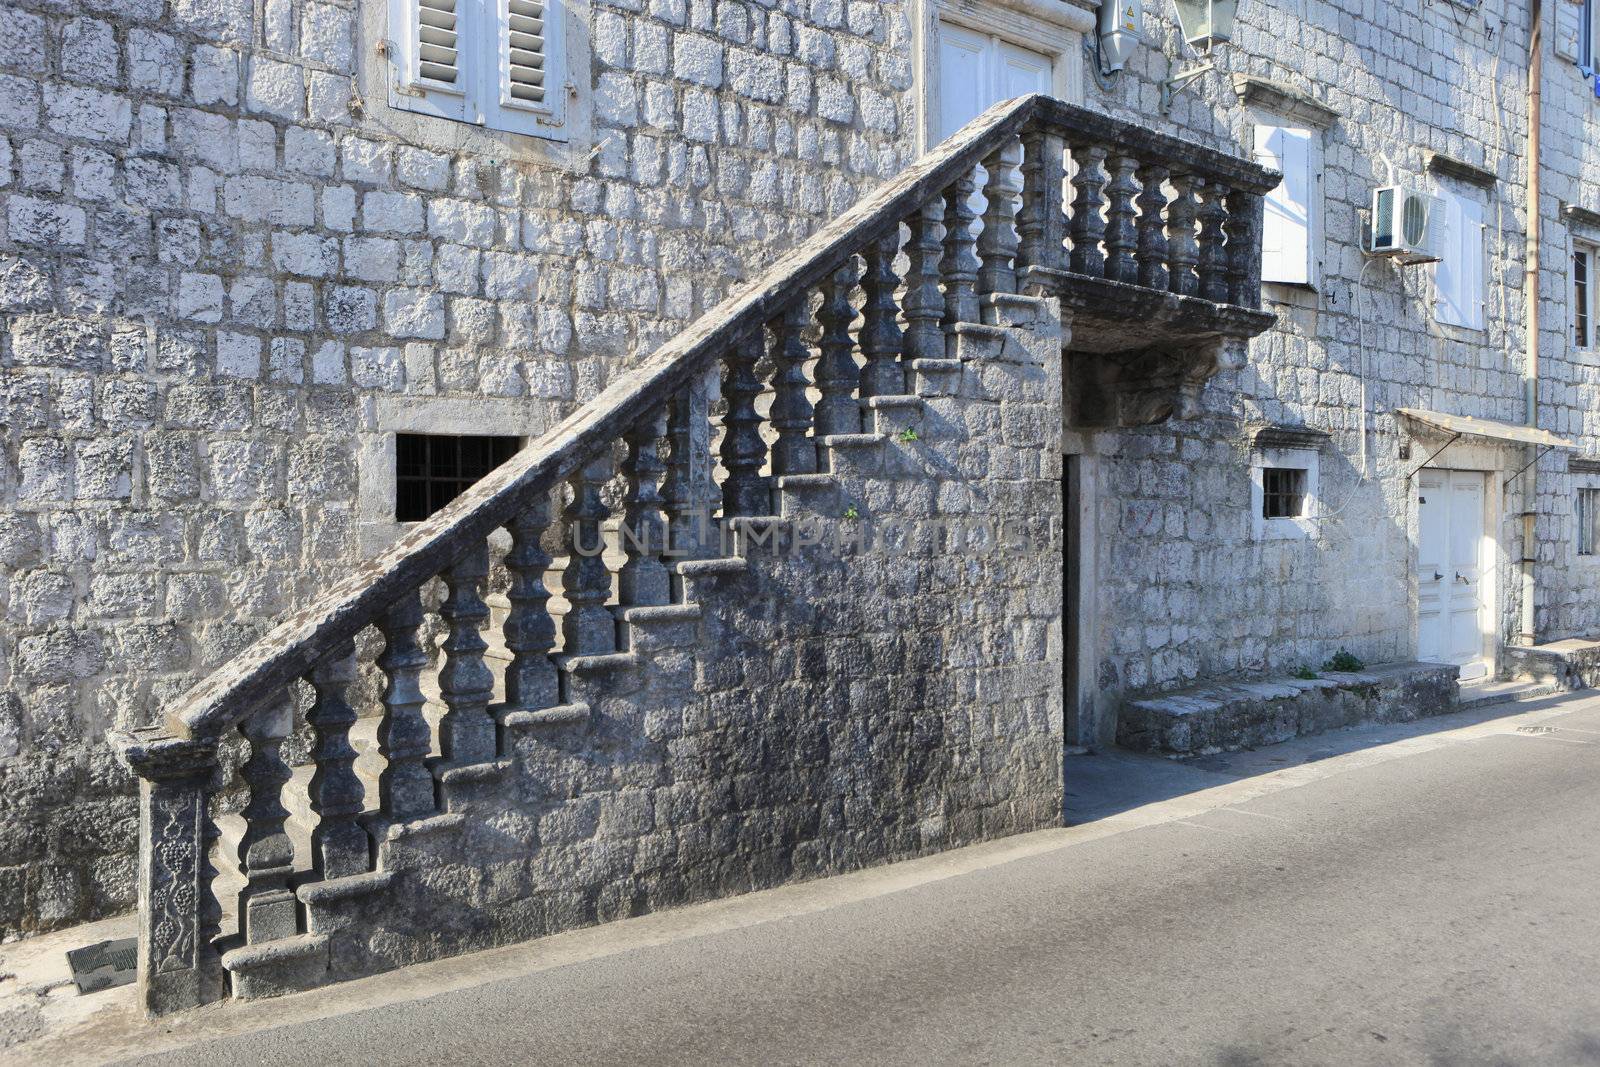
(1439, 907)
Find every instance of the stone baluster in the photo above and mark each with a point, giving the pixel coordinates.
(1183, 251)
(687, 489)
(1243, 226)
(405, 785)
(339, 845)
(1087, 225)
(1042, 220)
(998, 242)
(179, 915)
(924, 303)
(1213, 261)
(838, 372)
(530, 635)
(1152, 254)
(643, 580)
(880, 336)
(794, 452)
(466, 732)
(960, 263)
(745, 490)
(1121, 235)
(588, 628)
(267, 906)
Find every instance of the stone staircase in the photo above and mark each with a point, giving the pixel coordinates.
(833, 637)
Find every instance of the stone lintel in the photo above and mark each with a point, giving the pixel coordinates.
(1283, 100)
(1581, 216)
(1451, 167)
(1289, 437)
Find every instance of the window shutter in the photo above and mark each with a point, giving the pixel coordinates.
(437, 43)
(524, 44)
(432, 57)
(525, 85)
(1458, 276)
(1286, 232)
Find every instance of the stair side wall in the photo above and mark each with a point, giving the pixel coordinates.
(846, 703)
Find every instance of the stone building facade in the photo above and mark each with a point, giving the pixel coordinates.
(236, 259)
(1185, 584)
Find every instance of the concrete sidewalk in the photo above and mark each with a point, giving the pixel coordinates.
(898, 925)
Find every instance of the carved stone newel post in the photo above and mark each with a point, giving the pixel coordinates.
(178, 914)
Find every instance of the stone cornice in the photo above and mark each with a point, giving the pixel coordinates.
(1282, 100)
(1451, 167)
(1067, 15)
(1583, 464)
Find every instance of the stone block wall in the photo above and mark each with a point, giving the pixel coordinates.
(220, 249)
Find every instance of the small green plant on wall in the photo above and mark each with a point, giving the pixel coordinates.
(1343, 661)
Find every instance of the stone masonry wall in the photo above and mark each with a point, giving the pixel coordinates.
(1187, 593)
(219, 248)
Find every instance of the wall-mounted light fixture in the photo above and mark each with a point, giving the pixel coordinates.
(1203, 23)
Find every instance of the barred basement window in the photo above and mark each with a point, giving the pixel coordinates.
(1588, 522)
(433, 469)
(1283, 494)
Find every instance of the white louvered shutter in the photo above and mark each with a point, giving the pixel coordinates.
(530, 92)
(1286, 218)
(525, 54)
(431, 57)
(437, 43)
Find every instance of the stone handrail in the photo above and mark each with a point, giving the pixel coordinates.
(1149, 215)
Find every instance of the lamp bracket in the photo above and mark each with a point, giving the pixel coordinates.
(1180, 81)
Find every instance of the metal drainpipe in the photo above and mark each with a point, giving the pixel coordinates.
(1530, 290)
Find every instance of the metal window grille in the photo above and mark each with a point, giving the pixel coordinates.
(1580, 298)
(433, 469)
(1283, 494)
(1588, 522)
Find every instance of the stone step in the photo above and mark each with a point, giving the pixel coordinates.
(1573, 663)
(1228, 716)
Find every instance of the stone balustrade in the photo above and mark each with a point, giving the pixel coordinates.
(1097, 213)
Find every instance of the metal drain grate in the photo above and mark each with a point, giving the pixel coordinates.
(104, 965)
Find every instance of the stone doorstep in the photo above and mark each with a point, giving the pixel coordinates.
(1228, 716)
(1570, 664)
(1483, 694)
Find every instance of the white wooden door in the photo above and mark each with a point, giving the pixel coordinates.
(1452, 611)
(977, 69)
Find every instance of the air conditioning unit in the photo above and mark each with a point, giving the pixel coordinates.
(1407, 224)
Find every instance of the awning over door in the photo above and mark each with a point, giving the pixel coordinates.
(1467, 425)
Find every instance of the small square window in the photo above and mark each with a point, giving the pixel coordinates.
(1283, 493)
(1588, 522)
(433, 469)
